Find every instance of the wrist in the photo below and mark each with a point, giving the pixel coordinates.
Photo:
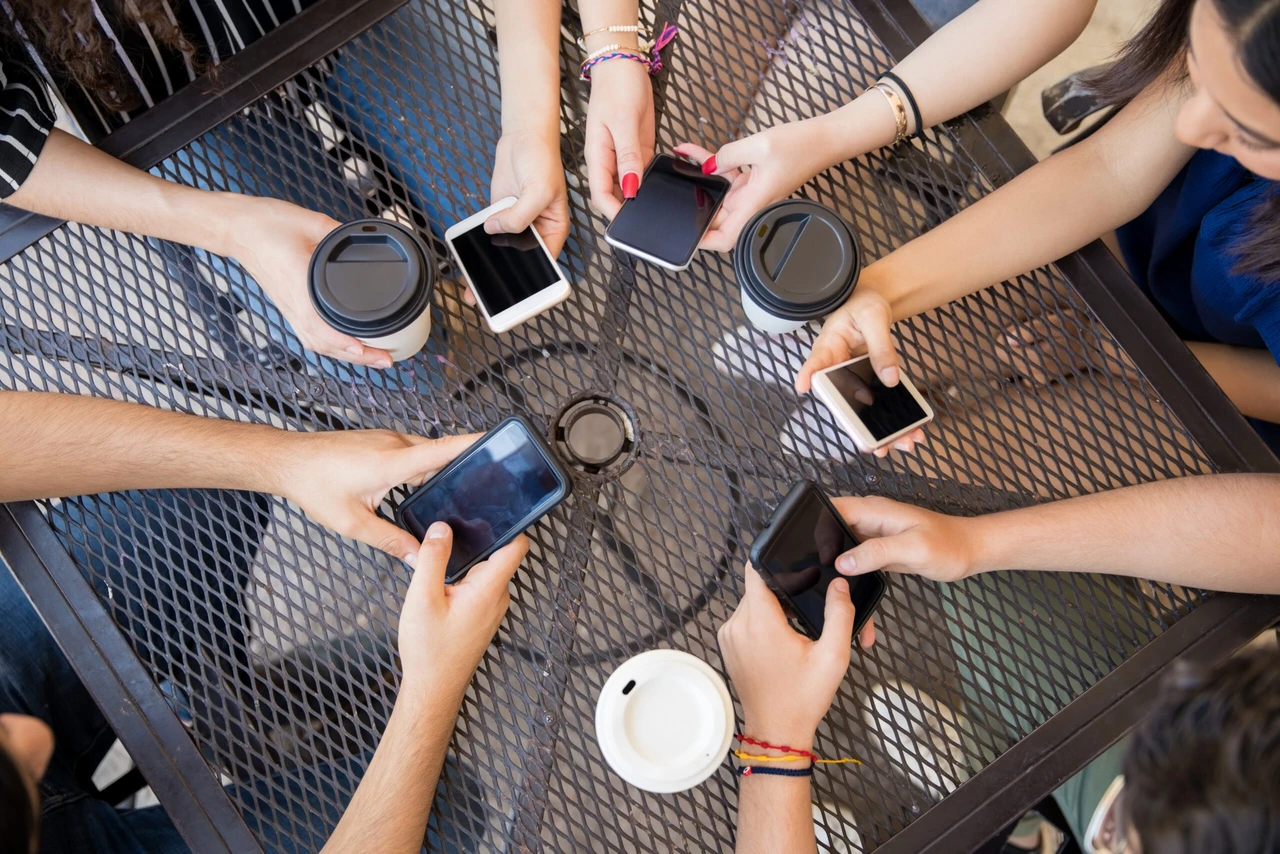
(779, 733)
(233, 223)
(864, 124)
(989, 546)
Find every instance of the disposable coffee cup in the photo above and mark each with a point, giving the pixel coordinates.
(795, 261)
(664, 721)
(372, 279)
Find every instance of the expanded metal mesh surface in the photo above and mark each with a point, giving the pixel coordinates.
(275, 639)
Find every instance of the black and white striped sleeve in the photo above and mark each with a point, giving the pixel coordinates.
(26, 117)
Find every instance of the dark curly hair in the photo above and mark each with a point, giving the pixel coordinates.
(66, 36)
(1161, 45)
(1202, 773)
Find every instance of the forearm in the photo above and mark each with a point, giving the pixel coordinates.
(389, 810)
(775, 816)
(1250, 377)
(1219, 532)
(74, 181)
(529, 66)
(1030, 34)
(63, 444)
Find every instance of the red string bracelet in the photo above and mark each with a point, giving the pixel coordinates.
(808, 754)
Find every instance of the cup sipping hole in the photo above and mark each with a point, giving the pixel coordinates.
(367, 228)
(627, 688)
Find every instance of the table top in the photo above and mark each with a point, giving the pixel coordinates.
(285, 661)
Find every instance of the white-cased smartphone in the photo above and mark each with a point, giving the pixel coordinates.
(872, 413)
(669, 215)
(513, 276)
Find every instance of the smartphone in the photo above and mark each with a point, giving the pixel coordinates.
(495, 489)
(670, 213)
(871, 412)
(513, 276)
(796, 555)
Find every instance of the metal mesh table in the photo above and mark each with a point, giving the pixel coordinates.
(249, 661)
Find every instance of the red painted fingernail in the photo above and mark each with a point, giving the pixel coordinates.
(709, 165)
(630, 184)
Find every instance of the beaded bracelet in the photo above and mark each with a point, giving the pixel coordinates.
(639, 29)
(794, 753)
(751, 771)
(652, 63)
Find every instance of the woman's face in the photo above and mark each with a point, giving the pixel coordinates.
(1227, 111)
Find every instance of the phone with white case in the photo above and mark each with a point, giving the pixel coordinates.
(871, 412)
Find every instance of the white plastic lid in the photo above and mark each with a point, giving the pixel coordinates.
(664, 721)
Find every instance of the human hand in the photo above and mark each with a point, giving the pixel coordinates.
(340, 477)
(764, 168)
(273, 240)
(620, 131)
(526, 164)
(445, 628)
(861, 324)
(1061, 344)
(910, 540)
(785, 681)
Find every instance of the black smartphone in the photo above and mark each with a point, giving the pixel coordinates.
(796, 555)
(671, 211)
(495, 489)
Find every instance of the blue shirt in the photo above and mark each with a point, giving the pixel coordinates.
(1182, 251)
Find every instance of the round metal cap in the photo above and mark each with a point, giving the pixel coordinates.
(371, 277)
(797, 259)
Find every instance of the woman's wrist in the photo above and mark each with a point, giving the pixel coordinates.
(864, 124)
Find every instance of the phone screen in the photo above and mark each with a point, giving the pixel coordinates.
(800, 559)
(671, 211)
(505, 269)
(499, 488)
(882, 409)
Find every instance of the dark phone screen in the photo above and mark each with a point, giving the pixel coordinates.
(800, 562)
(496, 490)
(883, 410)
(505, 269)
(671, 211)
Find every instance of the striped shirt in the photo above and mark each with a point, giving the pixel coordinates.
(218, 29)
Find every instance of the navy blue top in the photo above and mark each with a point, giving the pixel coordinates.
(1181, 252)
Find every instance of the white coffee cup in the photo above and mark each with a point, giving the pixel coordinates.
(664, 721)
(372, 279)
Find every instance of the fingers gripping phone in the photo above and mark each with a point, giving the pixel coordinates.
(871, 412)
(492, 491)
(513, 276)
(796, 555)
(670, 213)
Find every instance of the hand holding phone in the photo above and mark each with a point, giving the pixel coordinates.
(513, 276)
(670, 213)
(874, 414)
(796, 556)
(495, 489)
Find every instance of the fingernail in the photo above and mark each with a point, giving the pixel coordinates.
(840, 585)
(412, 560)
(437, 531)
(355, 350)
(382, 363)
(630, 184)
(889, 376)
(846, 563)
(492, 226)
(709, 165)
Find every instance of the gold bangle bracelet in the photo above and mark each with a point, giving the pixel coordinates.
(638, 29)
(899, 111)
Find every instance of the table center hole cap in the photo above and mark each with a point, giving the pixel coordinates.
(595, 434)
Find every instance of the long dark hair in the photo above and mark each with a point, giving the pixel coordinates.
(19, 815)
(1161, 46)
(66, 35)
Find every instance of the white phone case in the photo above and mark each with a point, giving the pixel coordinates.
(848, 419)
(550, 296)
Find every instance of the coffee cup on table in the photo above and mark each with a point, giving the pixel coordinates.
(664, 721)
(795, 261)
(372, 279)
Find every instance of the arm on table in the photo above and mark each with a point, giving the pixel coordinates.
(1219, 532)
(444, 632)
(1249, 376)
(1050, 210)
(65, 444)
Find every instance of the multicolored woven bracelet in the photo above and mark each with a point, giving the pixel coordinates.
(751, 771)
(652, 62)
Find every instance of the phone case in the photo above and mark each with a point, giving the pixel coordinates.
(781, 516)
(566, 486)
(668, 265)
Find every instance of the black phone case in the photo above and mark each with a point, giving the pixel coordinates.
(781, 516)
(566, 486)
(683, 262)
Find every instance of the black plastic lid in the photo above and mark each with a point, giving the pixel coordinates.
(371, 277)
(797, 259)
